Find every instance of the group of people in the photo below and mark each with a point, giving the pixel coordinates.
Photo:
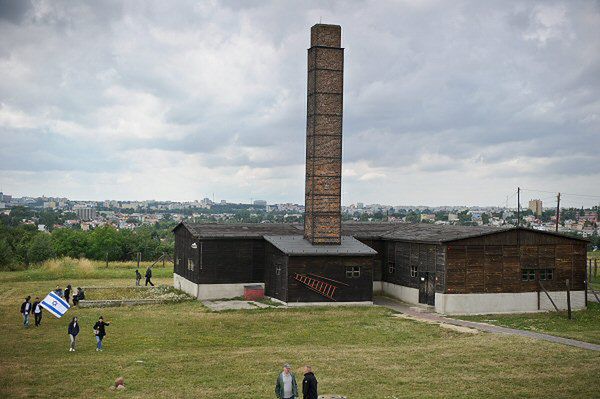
(138, 277)
(99, 332)
(27, 308)
(286, 386)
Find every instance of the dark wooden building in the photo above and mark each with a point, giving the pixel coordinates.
(466, 269)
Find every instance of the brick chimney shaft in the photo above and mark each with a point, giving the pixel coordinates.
(323, 189)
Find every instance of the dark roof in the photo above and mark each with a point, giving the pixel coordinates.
(424, 232)
(297, 245)
(239, 230)
(367, 230)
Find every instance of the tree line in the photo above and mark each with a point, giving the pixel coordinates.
(23, 245)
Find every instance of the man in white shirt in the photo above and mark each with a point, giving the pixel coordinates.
(286, 386)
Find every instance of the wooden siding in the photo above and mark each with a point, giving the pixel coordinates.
(331, 267)
(275, 273)
(498, 268)
(402, 256)
(380, 259)
(220, 261)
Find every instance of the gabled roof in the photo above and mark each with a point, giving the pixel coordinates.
(298, 246)
(366, 230)
(436, 233)
(238, 230)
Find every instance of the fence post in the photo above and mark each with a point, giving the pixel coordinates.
(568, 299)
(595, 268)
(138, 259)
(107, 260)
(163, 259)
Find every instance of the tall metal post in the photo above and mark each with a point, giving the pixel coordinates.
(557, 210)
(518, 206)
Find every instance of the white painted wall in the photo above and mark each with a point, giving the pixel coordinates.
(515, 302)
(377, 286)
(222, 291)
(210, 291)
(405, 294)
(185, 285)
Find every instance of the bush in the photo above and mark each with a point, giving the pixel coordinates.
(40, 249)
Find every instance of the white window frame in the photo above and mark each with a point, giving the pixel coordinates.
(353, 271)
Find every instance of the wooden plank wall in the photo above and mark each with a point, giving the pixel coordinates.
(333, 267)
(494, 263)
(403, 255)
(275, 284)
(183, 252)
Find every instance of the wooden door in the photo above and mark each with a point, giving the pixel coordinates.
(427, 288)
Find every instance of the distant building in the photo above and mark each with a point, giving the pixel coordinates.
(49, 205)
(427, 217)
(223, 202)
(535, 206)
(589, 216)
(84, 212)
(260, 202)
(453, 217)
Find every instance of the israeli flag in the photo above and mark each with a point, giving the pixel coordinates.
(55, 304)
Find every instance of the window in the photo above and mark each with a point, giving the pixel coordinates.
(413, 271)
(190, 264)
(352, 271)
(391, 268)
(527, 274)
(546, 274)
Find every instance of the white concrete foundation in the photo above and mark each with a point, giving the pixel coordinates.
(405, 294)
(210, 291)
(377, 286)
(510, 302)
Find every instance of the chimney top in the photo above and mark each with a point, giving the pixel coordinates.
(326, 35)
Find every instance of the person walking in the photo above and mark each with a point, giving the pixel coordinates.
(286, 386)
(73, 331)
(37, 312)
(100, 332)
(67, 293)
(26, 310)
(309, 384)
(58, 291)
(149, 276)
(138, 277)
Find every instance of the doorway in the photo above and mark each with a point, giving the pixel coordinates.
(427, 288)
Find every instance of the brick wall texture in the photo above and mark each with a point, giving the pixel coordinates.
(323, 188)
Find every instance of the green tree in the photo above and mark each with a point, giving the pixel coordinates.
(41, 248)
(106, 241)
(70, 242)
(485, 218)
(6, 255)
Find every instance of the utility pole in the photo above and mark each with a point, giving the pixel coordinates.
(518, 206)
(557, 210)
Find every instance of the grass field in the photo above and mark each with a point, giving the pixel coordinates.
(585, 325)
(182, 350)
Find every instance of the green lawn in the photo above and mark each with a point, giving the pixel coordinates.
(584, 326)
(182, 350)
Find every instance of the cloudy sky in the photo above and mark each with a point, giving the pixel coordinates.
(446, 102)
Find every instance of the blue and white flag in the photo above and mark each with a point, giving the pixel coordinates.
(55, 304)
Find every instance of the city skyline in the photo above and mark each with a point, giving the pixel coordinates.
(445, 103)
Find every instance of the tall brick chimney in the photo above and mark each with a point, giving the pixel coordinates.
(323, 218)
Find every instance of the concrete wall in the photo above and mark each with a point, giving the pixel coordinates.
(405, 294)
(210, 291)
(377, 286)
(185, 285)
(517, 302)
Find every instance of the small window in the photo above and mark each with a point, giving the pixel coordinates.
(352, 271)
(413, 271)
(391, 268)
(528, 275)
(190, 264)
(546, 274)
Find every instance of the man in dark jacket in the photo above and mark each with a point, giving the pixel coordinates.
(37, 312)
(73, 332)
(309, 384)
(149, 276)
(26, 310)
(100, 332)
(67, 293)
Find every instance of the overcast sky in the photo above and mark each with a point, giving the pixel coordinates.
(446, 102)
